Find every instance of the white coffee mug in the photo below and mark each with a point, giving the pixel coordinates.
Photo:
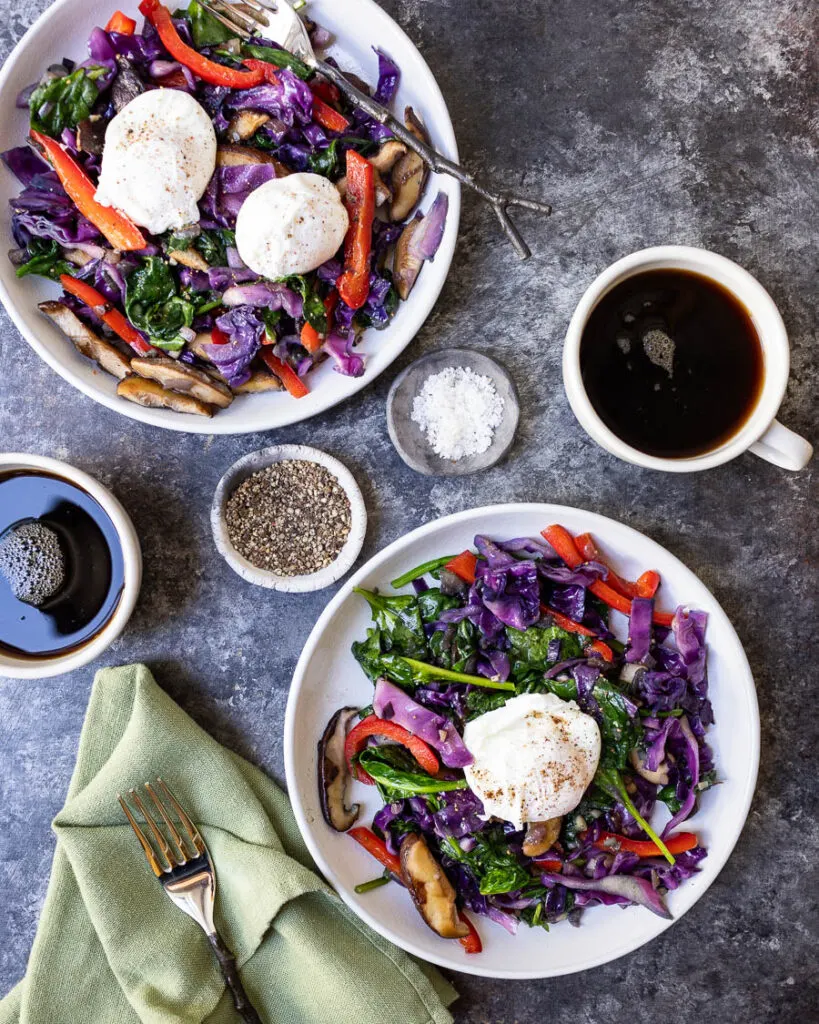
(761, 433)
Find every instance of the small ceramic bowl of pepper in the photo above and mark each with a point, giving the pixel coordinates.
(289, 518)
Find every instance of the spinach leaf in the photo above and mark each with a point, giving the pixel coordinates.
(205, 29)
(64, 102)
(45, 258)
(529, 649)
(269, 317)
(454, 647)
(281, 58)
(212, 245)
(314, 311)
(325, 161)
(479, 702)
(432, 602)
(668, 796)
(399, 620)
(495, 868)
(153, 305)
(396, 783)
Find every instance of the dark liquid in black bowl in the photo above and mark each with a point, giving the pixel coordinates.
(93, 572)
(671, 362)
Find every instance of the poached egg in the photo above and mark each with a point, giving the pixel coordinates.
(159, 155)
(291, 225)
(534, 757)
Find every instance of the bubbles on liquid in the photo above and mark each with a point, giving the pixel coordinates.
(659, 347)
(32, 561)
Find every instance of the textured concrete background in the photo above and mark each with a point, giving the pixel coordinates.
(645, 122)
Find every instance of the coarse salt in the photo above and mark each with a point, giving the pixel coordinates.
(458, 410)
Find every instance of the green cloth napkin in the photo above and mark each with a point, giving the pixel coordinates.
(112, 949)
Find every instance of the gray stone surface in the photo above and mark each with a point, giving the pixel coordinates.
(646, 122)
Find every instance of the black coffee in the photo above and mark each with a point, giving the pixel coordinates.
(671, 362)
(61, 566)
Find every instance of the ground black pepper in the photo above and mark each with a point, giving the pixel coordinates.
(291, 518)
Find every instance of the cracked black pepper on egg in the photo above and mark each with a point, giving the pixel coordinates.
(291, 518)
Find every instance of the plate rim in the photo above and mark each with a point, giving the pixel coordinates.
(312, 643)
(190, 424)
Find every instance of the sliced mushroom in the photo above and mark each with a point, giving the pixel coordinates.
(333, 773)
(406, 265)
(240, 156)
(78, 257)
(91, 135)
(86, 341)
(127, 84)
(541, 836)
(384, 160)
(188, 258)
(176, 376)
(431, 890)
(658, 777)
(383, 192)
(154, 396)
(258, 381)
(409, 173)
(245, 124)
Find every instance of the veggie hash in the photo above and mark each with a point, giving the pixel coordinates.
(220, 219)
(520, 750)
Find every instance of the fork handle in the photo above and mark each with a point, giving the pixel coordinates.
(432, 158)
(227, 964)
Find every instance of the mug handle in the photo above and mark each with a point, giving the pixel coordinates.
(783, 447)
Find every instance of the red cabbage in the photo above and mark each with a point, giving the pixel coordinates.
(24, 163)
(628, 887)
(459, 814)
(289, 99)
(639, 629)
(228, 189)
(427, 237)
(511, 594)
(271, 295)
(389, 76)
(347, 361)
(233, 358)
(391, 703)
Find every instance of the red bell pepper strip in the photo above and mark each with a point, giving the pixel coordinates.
(218, 337)
(330, 304)
(372, 725)
(326, 90)
(676, 844)
(602, 649)
(566, 623)
(327, 117)
(106, 312)
(472, 942)
(377, 848)
(263, 68)
(354, 282)
(120, 231)
(563, 543)
(217, 74)
(549, 864)
(119, 22)
(310, 337)
(463, 566)
(291, 380)
(646, 585)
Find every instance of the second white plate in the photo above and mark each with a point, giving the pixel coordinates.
(328, 677)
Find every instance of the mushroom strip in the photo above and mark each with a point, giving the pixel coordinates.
(333, 774)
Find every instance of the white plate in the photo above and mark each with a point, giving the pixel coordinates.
(327, 677)
(357, 25)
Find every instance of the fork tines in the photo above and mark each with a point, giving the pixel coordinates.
(242, 18)
(165, 853)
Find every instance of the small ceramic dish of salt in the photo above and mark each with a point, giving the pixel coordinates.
(452, 412)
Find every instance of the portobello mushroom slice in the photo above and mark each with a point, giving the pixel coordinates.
(85, 341)
(384, 160)
(431, 890)
(180, 377)
(245, 124)
(409, 174)
(259, 380)
(239, 156)
(541, 836)
(154, 396)
(127, 84)
(188, 258)
(406, 266)
(333, 773)
(91, 135)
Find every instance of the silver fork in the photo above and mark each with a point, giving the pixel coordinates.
(286, 27)
(183, 866)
